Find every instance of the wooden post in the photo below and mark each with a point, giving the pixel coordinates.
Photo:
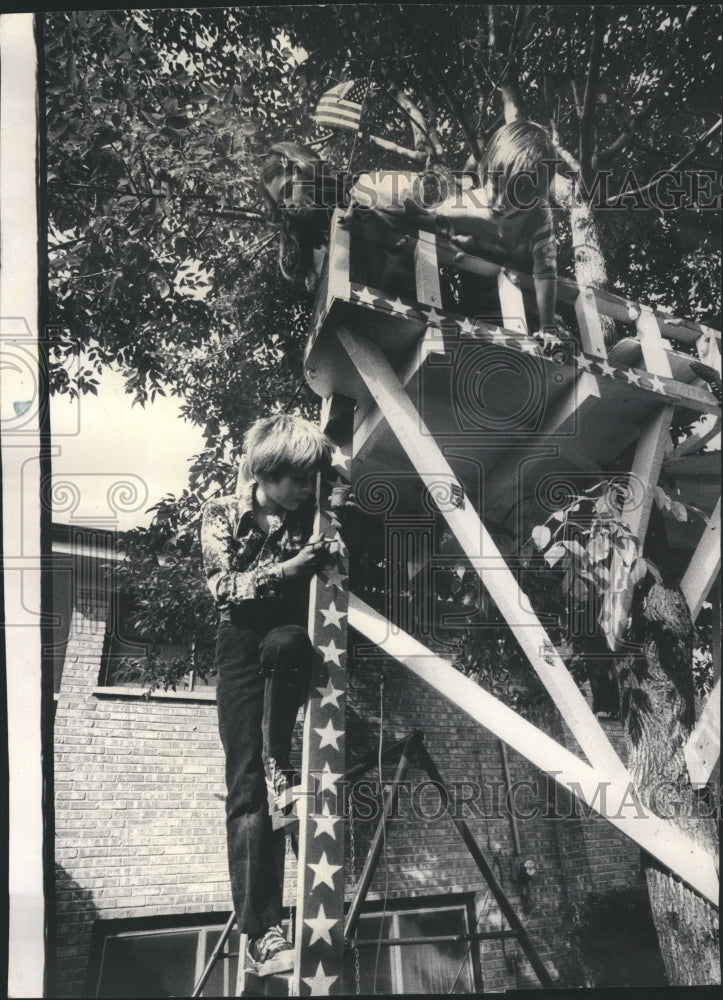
(319, 937)
(704, 567)
(512, 303)
(703, 748)
(612, 798)
(644, 475)
(426, 271)
(588, 321)
(339, 239)
(652, 343)
(464, 522)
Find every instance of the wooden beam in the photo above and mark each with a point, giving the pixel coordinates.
(644, 475)
(320, 870)
(512, 303)
(704, 567)
(339, 252)
(651, 341)
(615, 800)
(500, 582)
(426, 271)
(703, 748)
(588, 320)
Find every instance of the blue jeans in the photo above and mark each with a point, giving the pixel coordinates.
(263, 677)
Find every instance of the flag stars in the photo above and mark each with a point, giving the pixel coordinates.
(323, 872)
(433, 317)
(339, 459)
(331, 653)
(466, 326)
(632, 376)
(325, 823)
(320, 926)
(399, 308)
(365, 297)
(656, 385)
(332, 617)
(330, 695)
(329, 737)
(329, 779)
(606, 369)
(333, 578)
(319, 984)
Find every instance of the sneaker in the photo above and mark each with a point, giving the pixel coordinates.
(269, 953)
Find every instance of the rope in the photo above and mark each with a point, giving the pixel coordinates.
(384, 832)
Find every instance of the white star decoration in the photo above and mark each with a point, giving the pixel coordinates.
(325, 823)
(606, 369)
(632, 376)
(333, 578)
(329, 779)
(365, 296)
(656, 384)
(339, 458)
(323, 872)
(330, 695)
(584, 363)
(319, 983)
(433, 317)
(399, 307)
(332, 617)
(328, 735)
(331, 653)
(466, 326)
(320, 927)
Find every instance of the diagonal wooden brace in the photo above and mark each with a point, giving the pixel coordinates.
(463, 520)
(613, 799)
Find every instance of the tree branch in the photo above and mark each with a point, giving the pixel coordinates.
(698, 144)
(454, 105)
(417, 155)
(587, 117)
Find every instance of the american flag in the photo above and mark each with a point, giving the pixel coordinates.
(341, 107)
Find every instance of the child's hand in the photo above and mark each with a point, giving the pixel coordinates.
(340, 509)
(311, 558)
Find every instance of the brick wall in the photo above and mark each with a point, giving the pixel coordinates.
(140, 815)
(139, 803)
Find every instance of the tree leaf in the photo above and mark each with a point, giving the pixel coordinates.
(541, 536)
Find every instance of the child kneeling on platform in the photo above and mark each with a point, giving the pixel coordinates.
(258, 558)
(509, 217)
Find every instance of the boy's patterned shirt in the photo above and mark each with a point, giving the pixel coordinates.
(238, 556)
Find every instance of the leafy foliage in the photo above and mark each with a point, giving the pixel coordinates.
(162, 257)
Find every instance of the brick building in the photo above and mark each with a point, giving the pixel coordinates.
(142, 884)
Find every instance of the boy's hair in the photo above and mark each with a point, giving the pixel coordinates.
(516, 148)
(282, 444)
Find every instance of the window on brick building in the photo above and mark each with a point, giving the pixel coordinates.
(126, 652)
(163, 962)
(425, 968)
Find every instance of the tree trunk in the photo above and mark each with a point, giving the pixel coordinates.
(658, 702)
(590, 266)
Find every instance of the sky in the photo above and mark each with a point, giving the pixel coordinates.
(112, 461)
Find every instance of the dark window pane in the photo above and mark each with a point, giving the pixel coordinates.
(384, 981)
(435, 968)
(149, 965)
(222, 981)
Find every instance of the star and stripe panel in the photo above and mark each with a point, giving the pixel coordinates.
(465, 326)
(322, 921)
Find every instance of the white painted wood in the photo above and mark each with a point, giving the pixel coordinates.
(588, 321)
(708, 348)
(339, 249)
(612, 799)
(703, 748)
(512, 303)
(651, 341)
(20, 383)
(704, 567)
(476, 542)
(644, 475)
(426, 270)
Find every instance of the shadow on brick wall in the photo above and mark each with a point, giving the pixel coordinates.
(76, 914)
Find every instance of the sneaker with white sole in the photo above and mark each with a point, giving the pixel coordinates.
(269, 953)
